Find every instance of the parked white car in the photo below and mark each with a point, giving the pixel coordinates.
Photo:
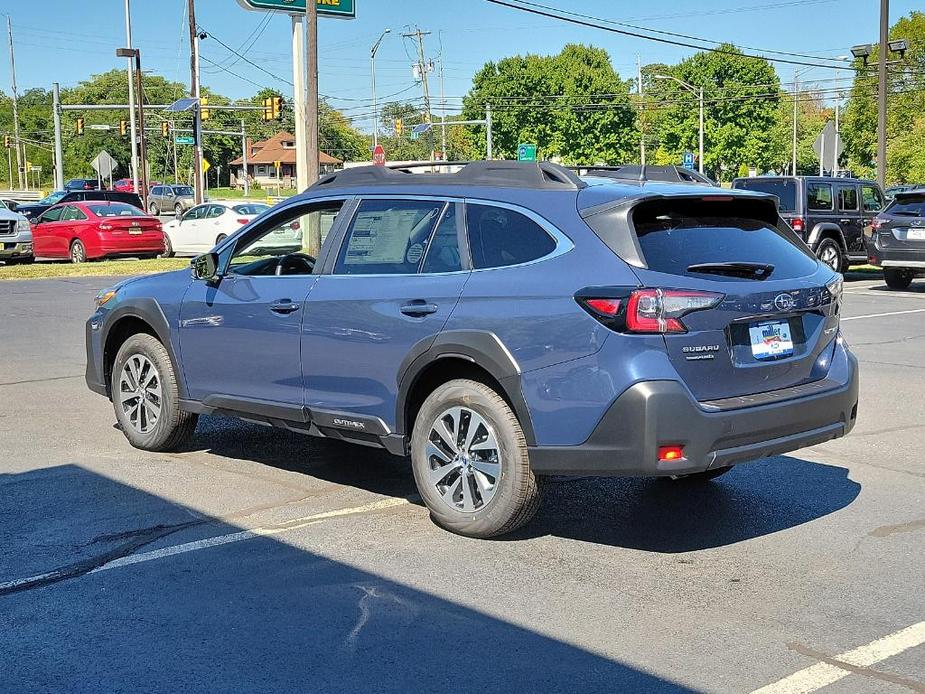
(201, 227)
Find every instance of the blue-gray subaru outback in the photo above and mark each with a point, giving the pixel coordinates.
(505, 322)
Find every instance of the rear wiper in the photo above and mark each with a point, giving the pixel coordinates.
(755, 271)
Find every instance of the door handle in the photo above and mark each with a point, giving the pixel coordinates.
(418, 308)
(284, 307)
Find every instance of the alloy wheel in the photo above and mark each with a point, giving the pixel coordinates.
(829, 256)
(140, 393)
(78, 254)
(464, 459)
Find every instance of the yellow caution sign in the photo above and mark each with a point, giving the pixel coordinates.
(205, 165)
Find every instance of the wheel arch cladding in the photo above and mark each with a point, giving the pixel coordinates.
(140, 316)
(827, 230)
(477, 355)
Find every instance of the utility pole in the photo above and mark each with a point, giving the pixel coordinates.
(642, 135)
(419, 35)
(133, 132)
(19, 152)
(139, 94)
(176, 175)
(796, 93)
(298, 100)
(59, 156)
(244, 158)
(442, 112)
(311, 102)
(194, 92)
(881, 94)
(372, 73)
(489, 141)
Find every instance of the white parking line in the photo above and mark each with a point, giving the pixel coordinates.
(264, 531)
(889, 313)
(823, 674)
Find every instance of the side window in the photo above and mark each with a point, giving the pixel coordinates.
(195, 213)
(499, 236)
(871, 199)
(819, 196)
(285, 243)
(157, 190)
(72, 214)
(388, 237)
(847, 198)
(215, 211)
(52, 215)
(443, 250)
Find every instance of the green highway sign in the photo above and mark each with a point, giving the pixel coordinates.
(526, 152)
(344, 9)
(184, 140)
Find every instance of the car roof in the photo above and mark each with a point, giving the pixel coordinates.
(823, 179)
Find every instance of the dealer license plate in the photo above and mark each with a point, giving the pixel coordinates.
(771, 340)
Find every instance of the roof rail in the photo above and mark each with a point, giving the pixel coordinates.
(645, 172)
(496, 172)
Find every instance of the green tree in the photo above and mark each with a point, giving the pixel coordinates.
(741, 98)
(573, 105)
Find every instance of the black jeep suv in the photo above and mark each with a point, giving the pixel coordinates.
(828, 213)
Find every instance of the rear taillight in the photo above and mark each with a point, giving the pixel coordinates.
(876, 223)
(798, 225)
(242, 221)
(105, 226)
(654, 311)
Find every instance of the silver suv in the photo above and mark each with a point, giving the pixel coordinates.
(170, 198)
(15, 237)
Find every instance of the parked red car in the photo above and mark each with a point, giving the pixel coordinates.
(126, 185)
(96, 229)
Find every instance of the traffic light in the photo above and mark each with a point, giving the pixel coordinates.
(6, 141)
(204, 112)
(165, 128)
(399, 127)
(80, 126)
(267, 109)
(276, 107)
(123, 127)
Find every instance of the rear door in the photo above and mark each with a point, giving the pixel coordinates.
(764, 334)
(396, 278)
(849, 217)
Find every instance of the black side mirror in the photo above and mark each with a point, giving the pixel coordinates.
(205, 267)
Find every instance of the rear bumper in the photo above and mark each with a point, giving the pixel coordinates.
(890, 256)
(651, 414)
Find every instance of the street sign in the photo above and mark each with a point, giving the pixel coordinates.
(379, 155)
(205, 165)
(526, 152)
(104, 164)
(688, 162)
(824, 147)
(184, 140)
(340, 9)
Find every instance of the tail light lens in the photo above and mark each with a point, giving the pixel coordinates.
(106, 226)
(798, 225)
(242, 221)
(876, 223)
(652, 311)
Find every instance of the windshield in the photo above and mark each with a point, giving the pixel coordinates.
(116, 209)
(251, 208)
(784, 189)
(52, 198)
(908, 206)
(182, 190)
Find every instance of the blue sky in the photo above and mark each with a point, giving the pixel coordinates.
(66, 41)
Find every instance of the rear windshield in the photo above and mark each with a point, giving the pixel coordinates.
(251, 208)
(116, 209)
(908, 206)
(784, 189)
(676, 234)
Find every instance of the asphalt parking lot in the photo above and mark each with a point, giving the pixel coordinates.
(260, 560)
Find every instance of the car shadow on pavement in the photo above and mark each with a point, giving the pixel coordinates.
(258, 614)
(656, 515)
(663, 515)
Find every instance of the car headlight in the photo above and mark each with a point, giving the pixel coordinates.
(104, 296)
(22, 226)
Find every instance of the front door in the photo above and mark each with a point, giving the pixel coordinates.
(240, 334)
(47, 234)
(395, 280)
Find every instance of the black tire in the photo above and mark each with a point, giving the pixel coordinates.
(898, 278)
(699, 477)
(154, 210)
(78, 253)
(168, 248)
(830, 253)
(515, 493)
(171, 427)
(26, 261)
(178, 210)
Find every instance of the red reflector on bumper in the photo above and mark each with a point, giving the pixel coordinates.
(670, 453)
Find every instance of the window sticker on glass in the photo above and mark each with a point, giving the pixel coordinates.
(381, 236)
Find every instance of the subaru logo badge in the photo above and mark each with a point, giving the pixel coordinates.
(784, 302)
